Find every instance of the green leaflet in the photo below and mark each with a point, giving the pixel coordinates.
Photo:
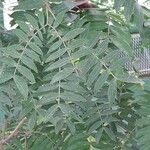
(55, 55)
(32, 21)
(50, 112)
(71, 126)
(48, 98)
(76, 43)
(26, 73)
(81, 53)
(139, 17)
(62, 75)
(122, 33)
(95, 126)
(118, 4)
(58, 64)
(112, 91)
(59, 125)
(23, 26)
(72, 34)
(100, 81)
(12, 51)
(72, 97)
(99, 135)
(122, 45)
(5, 76)
(87, 64)
(76, 144)
(46, 87)
(94, 74)
(111, 55)
(36, 48)
(37, 41)
(4, 99)
(102, 47)
(110, 133)
(59, 18)
(143, 131)
(65, 109)
(144, 144)
(28, 4)
(40, 35)
(41, 18)
(8, 61)
(129, 9)
(144, 121)
(21, 85)
(21, 35)
(14, 47)
(55, 46)
(129, 78)
(33, 55)
(73, 87)
(2, 119)
(29, 63)
(76, 116)
(32, 121)
(52, 39)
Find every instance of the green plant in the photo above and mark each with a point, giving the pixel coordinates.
(65, 79)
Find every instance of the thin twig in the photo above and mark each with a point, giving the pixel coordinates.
(14, 133)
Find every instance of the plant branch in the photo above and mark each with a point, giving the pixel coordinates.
(25, 48)
(14, 133)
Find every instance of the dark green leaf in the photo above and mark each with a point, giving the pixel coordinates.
(55, 46)
(32, 55)
(139, 17)
(50, 112)
(26, 73)
(110, 133)
(29, 63)
(62, 75)
(122, 45)
(72, 34)
(5, 76)
(59, 126)
(112, 91)
(100, 81)
(55, 55)
(21, 34)
(71, 126)
(94, 74)
(8, 61)
(28, 4)
(118, 4)
(95, 126)
(36, 48)
(21, 85)
(23, 26)
(129, 9)
(99, 135)
(72, 97)
(58, 64)
(32, 20)
(32, 121)
(59, 18)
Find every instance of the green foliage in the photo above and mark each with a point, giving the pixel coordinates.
(65, 74)
(141, 96)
